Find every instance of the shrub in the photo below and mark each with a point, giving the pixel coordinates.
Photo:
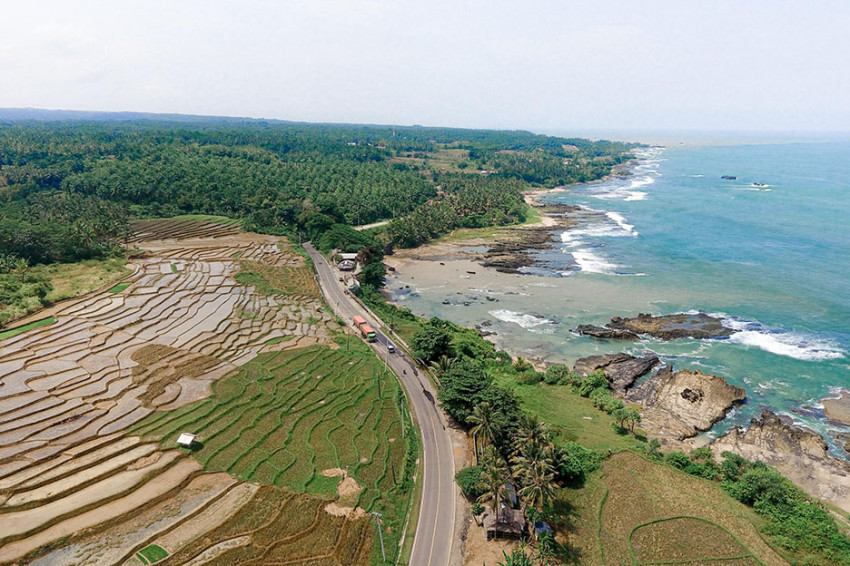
(594, 381)
(560, 375)
(529, 377)
(469, 481)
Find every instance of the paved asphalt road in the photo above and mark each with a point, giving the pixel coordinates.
(435, 529)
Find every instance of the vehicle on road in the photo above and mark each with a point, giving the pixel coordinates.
(368, 333)
(390, 348)
(359, 321)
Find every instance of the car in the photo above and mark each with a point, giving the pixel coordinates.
(390, 347)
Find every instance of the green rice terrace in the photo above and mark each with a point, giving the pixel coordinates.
(299, 428)
(287, 417)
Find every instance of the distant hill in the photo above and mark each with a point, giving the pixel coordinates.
(43, 115)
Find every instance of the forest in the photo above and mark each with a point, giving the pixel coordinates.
(68, 188)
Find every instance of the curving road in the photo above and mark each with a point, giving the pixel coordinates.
(432, 544)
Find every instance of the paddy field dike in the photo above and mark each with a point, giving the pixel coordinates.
(222, 334)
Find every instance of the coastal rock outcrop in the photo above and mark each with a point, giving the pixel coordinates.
(678, 405)
(621, 370)
(838, 410)
(606, 333)
(672, 326)
(800, 454)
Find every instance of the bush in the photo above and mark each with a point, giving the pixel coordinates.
(575, 462)
(469, 481)
(529, 377)
(560, 375)
(589, 384)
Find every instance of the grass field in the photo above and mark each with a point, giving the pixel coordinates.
(636, 512)
(569, 415)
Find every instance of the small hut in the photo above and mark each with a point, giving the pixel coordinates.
(511, 523)
(186, 440)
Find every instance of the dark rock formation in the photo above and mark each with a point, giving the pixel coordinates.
(605, 333)
(678, 405)
(672, 326)
(621, 370)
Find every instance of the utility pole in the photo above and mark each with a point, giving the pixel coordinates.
(380, 533)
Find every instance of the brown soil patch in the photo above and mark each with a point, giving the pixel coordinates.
(158, 366)
(145, 462)
(478, 550)
(334, 473)
(341, 511)
(348, 487)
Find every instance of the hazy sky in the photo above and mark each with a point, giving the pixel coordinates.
(542, 65)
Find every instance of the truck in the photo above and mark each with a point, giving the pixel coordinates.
(359, 321)
(367, 332)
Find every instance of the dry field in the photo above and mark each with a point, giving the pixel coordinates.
(636, 513)
(77, 488)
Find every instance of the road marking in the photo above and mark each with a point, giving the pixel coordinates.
(439, 485)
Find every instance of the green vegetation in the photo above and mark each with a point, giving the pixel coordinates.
(286, 417)
(151, 554)
(22, 292)
(795, 522)
(120, 287)
(71, 201)
(557, 464)
(15, 331)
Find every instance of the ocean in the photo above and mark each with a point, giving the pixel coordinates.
(768, 251)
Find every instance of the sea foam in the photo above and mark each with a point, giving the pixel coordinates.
(792, 344)
(524, 320)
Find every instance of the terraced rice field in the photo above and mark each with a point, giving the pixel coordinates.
(286, 417)
(77, 488)
(639, 513)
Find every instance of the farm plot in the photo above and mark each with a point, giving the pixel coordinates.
(286, 417)
(640, 513)
(70, 390)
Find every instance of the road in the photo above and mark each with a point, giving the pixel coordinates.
(433, 541)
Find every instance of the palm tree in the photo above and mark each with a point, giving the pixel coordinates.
(533, 432)
(442, 365)
(538, 483)
(493, 478)
(521, 364)
(485, 428)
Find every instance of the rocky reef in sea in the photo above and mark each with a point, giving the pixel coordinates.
(667, 327)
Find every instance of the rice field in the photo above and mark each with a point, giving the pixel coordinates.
(287, 416)
(79, 486)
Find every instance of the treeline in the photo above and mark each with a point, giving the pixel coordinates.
(51, 226)
(464, 202)
(273, 175)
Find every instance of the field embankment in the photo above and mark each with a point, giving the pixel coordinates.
(78, 487)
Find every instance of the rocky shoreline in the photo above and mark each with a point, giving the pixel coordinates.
(675, 405)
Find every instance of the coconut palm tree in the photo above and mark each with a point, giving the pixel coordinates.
(494, 475)
(442, 365)
(533, 432)
(485, 428)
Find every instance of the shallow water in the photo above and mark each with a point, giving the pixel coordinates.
(769, 252)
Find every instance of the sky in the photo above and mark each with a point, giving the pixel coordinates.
(549, 66)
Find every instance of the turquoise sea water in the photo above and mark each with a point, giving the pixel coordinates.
(769, 252)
